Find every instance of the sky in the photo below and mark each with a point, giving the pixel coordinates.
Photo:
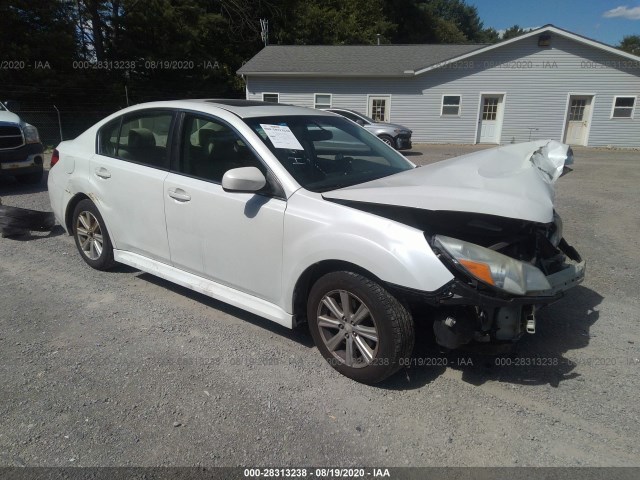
(602, 20)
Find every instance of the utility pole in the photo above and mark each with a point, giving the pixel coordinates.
(264, 31)
(59, 122)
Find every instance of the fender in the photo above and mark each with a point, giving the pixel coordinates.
(394, 252)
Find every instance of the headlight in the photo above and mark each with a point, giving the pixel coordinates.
(493, 268)
(31, 134)
(397, 130)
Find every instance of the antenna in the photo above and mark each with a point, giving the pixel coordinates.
(264, 31)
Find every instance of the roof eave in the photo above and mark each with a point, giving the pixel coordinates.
(406, 73)
(546, 28)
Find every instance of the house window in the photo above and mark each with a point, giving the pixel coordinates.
(271, 97)
(322, 100)
(450, 105)
(623, 107)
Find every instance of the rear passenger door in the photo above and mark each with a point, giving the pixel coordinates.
(127, 174)
(232, 238)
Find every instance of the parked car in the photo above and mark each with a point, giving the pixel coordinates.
(397, 136)
(251, 203)
(21, 153)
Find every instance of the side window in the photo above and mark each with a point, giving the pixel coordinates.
(271, 97)
(210, 148)
(450, 105)
(144, 138)
(108, 143)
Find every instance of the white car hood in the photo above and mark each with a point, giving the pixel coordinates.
(9, 117)
(514, 181)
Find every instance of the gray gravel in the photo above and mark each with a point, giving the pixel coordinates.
(124, 369)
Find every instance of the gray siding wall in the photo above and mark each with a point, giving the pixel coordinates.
(536, 82)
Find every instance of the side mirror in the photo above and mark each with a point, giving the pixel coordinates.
(360, 122)
(245, 179)
(12, 105)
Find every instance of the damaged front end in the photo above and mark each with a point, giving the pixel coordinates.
(499, 287)
(489, 218)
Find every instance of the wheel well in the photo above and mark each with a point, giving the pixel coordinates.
(312, 274)
(71, 206)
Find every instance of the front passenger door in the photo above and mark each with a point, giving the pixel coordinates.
(232, 238)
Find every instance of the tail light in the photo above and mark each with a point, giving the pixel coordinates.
(55, 156)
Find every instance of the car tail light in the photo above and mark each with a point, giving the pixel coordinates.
(55, 156)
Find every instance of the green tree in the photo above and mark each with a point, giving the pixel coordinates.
(630, 44)
(512, 32)
(332, 22)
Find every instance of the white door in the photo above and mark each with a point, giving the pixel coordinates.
(232, 238)
(577, 120)
(127, 176)
(379, 108)
(490, 121)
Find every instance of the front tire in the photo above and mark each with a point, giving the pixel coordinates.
(359, 327)
(91, 236)
(388, 140)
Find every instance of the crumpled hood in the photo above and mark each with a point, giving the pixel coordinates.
(514, 181)
(6, 116)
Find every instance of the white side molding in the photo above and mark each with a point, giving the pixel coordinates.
(207, 287)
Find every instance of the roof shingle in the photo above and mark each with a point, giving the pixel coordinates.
(351, 60)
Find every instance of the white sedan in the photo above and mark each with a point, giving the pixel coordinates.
(300, 215)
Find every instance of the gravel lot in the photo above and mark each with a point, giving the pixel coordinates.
(124, 369)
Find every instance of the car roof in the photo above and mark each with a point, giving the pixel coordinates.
(241, 108)
(343, 110)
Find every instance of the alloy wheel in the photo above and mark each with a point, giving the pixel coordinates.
(347, 328)
(89, 235)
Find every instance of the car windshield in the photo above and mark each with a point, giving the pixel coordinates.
(326, 153)
(2, 109)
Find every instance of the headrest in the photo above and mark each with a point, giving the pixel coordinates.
(141, 137)
(206, 136)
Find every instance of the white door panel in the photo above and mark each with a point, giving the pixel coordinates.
(578, 120)
(490, 120)
(231, 238)
(129, 196)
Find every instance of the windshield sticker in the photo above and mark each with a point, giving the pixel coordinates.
(282, 137)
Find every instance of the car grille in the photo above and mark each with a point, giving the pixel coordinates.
(10, 137)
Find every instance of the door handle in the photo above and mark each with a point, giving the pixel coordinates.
(103, 173)
(179, 194)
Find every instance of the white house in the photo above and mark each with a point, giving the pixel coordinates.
(547, 83)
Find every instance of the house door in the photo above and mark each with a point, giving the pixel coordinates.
(379, 108)
(578, 120)
(490, 121)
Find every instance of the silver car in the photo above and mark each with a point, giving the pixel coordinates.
(396, 136)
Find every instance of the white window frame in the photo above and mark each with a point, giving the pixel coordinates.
(271, 93)
(385, 96)
(633, 109)
(442, 105)
(315, 100)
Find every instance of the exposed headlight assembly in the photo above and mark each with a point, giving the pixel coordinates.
(30, 134)
(493, 268)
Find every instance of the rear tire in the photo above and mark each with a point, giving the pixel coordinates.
(91, 236)
(359, 327)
